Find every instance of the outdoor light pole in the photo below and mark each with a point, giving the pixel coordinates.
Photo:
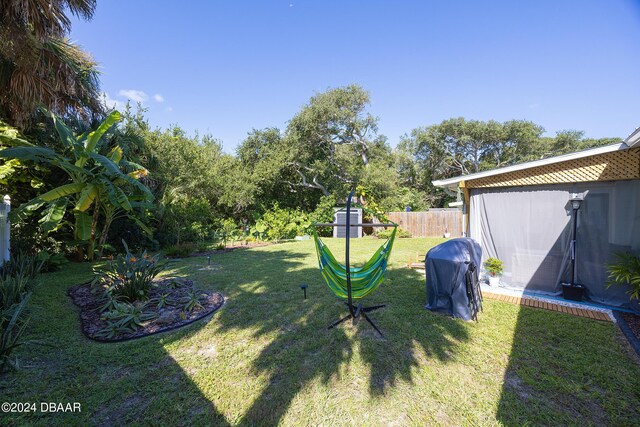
(576, 201)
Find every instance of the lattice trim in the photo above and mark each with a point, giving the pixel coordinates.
(618, 165)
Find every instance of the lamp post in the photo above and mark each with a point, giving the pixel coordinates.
(572, 290)
(576, 202)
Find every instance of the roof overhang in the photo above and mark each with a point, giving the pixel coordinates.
(633, 140)
(452, 183)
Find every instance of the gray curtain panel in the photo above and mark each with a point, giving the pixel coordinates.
(529, 228)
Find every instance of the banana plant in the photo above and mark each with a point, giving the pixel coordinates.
(97, 182)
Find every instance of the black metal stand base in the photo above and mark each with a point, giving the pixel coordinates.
(355, 312)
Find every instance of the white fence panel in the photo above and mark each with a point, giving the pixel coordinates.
(5, 229)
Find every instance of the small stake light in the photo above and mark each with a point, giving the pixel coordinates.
(304, 288)
(209, 260)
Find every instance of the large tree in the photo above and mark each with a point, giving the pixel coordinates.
(458, 147)
(331, 139)
(328, 148)
(39, 66)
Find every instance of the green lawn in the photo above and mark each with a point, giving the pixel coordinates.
(267, 358)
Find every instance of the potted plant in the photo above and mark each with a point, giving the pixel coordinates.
(626, 270)
(494, 268)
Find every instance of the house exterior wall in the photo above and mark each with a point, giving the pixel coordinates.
(614, 166)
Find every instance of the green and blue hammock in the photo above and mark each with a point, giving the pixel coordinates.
(364, 279)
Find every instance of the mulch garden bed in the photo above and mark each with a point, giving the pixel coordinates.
(629, 323)
(170, 316)
(633, 320)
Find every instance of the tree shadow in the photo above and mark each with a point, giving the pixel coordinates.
(115, 383)
(563, 369)
(567, 370)
(266, 300)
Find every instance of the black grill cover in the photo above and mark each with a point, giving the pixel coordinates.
(447, 266)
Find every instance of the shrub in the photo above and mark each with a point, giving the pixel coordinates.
(21, 265)
(202, 246)
(228, 231)
(180, 250)
(187, 219)
(258, 230)
(494, 266)
(385, 233)
(626, 270)
(129, 276)
(282, 223)
(324, 213)
(51, 262)
(193, 300)
(17, 280)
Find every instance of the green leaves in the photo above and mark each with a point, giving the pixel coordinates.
(53, 215)
(34, 154)
(115, 195)
(88, 195)
(62, 191)
(115, 155)
(110, 168)
(83, 225)
(626, 270)
(64, 133)
(93, 178)
(94, 137)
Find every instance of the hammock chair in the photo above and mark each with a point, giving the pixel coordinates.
(348, 282)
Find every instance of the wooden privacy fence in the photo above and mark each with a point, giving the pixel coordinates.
(432, 223)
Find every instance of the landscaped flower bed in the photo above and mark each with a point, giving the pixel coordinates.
(125, 301)
(172, 303)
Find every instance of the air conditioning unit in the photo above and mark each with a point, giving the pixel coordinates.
(340, 217)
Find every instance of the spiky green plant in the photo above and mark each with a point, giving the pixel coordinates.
(626, 270)
(129, 276)
(192, 300)
(17, 280)
(124, 318)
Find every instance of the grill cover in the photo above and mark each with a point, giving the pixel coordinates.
(446, 267)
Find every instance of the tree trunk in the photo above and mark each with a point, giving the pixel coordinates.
(94, 226)
(104, 234)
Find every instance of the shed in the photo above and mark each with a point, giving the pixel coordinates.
(521, 214)
(340, 217)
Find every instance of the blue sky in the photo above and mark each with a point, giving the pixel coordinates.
(226, 67)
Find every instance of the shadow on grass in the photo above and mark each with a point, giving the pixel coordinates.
(115, 383)
(263, 296)
(147, 380)
(565, 370)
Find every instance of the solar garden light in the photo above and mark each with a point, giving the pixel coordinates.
(304, 288)
(574, 291)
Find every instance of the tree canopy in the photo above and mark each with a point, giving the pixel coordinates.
(39, 66)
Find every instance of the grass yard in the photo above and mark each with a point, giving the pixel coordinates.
(266, 357)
